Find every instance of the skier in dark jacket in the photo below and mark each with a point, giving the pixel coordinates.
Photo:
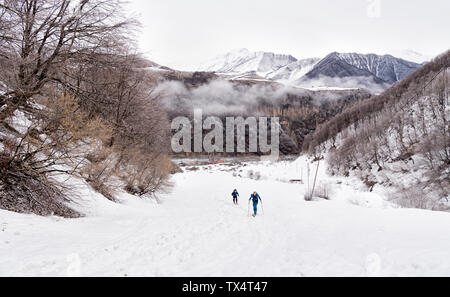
(255, 198)
(235, 195)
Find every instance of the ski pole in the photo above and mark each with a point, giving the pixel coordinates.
(262, 208)
(248, 209)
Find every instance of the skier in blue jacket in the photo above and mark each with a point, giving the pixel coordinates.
(255, 198)
(235, 195)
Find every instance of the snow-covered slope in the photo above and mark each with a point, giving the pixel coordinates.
(293, 71)
(197, 231)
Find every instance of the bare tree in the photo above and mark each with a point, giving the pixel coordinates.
(40, 37)
(96, 116)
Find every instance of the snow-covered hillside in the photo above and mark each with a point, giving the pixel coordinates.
(197, 231)
(293, 71)
(399, 139)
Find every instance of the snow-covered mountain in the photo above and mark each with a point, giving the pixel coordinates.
(243, 61)
(382, 69)
(245, 64)
(336, 70)
(387, 68)
(334, 65)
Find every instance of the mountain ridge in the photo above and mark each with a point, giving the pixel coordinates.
(371, 71)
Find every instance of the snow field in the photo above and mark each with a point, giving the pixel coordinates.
(197, 231)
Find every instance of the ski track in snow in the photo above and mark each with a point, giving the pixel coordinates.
(197, 231)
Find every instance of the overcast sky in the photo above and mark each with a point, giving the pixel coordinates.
(183, 33)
